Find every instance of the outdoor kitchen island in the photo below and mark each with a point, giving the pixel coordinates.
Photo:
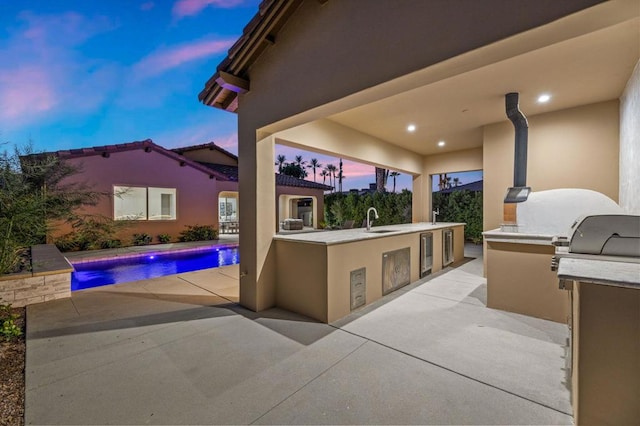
(325, 275)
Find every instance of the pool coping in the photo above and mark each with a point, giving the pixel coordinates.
(76, 258)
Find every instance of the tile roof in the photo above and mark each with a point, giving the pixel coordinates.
(147, 145)
(473, 186)
(281, 180)
(284, 180)
(210, 145)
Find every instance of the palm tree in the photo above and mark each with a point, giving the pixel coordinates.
(299, 161)
(456, 181)
(381, 179)
(314, 164)
(332, 173)
(442, 181)
(394, 175)
(280, 160)
(324, 173)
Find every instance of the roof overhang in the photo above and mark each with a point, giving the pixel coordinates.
(231, 78)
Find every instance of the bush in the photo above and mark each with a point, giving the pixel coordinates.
(199, 233)
(392, 207)
(141, 239)
(164, 238)
(8, 327)
(462, 206)
(108, 244)
(91, 233)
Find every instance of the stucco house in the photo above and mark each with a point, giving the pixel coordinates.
(163, 190)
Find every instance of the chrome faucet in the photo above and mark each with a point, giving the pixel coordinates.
(434, 214)
(369, 223)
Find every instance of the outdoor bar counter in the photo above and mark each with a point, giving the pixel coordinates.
(325, 275)
(519, 277)
(605, 336)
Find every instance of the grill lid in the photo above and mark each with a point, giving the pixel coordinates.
(607, 234)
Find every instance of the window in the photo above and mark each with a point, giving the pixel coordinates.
(135, 203)
(228, 209)
(162, 203)
(130, 203)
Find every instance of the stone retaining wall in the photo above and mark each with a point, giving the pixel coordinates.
(50, 279)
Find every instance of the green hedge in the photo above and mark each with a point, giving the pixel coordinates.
(392, 207)
(461, 206)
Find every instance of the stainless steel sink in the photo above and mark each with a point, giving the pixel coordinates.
(380, 231)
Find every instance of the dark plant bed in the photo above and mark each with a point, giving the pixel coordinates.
(12, 360)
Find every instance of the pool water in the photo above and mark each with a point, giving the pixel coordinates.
(116, 271)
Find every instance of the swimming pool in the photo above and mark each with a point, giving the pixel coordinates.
(122, 270)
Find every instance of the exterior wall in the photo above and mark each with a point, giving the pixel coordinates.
(630, 144)
(606, 355)
(572, 148)
(458, 161)
(317, 36)
(196, 194)
(520, 280)
(24, 289)
(207, 155)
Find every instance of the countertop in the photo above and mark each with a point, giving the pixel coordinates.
(605, 272)
(497, 235)
(361, 234)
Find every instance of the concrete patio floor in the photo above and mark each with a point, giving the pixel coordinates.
(180, 350)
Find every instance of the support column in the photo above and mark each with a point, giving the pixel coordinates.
(257, 216)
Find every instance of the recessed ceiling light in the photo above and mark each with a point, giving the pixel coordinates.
(411, 128)
(544, 98)
(441, 143)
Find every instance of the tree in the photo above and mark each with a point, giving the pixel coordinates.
(456, 182)
(394, 175)
(381, 179)
(332, 174)
(280, 162)
(299, 161)
(324, 175)
(340, 176)
(35, 193)
(314, 164)
(295, 170)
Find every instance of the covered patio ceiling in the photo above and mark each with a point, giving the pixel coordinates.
(581, 70)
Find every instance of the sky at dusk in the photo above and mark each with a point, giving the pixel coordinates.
(77, 74)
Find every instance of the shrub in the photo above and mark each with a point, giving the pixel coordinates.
(392, 207)
(107, 244)
(141, 239)
(462, 206)
(199, 233)
(8, 327)
(91, 233)
(164, 238)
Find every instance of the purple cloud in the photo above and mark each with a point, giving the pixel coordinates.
(46, 77)
(184, 8)
(168, 58)
(25, 91)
